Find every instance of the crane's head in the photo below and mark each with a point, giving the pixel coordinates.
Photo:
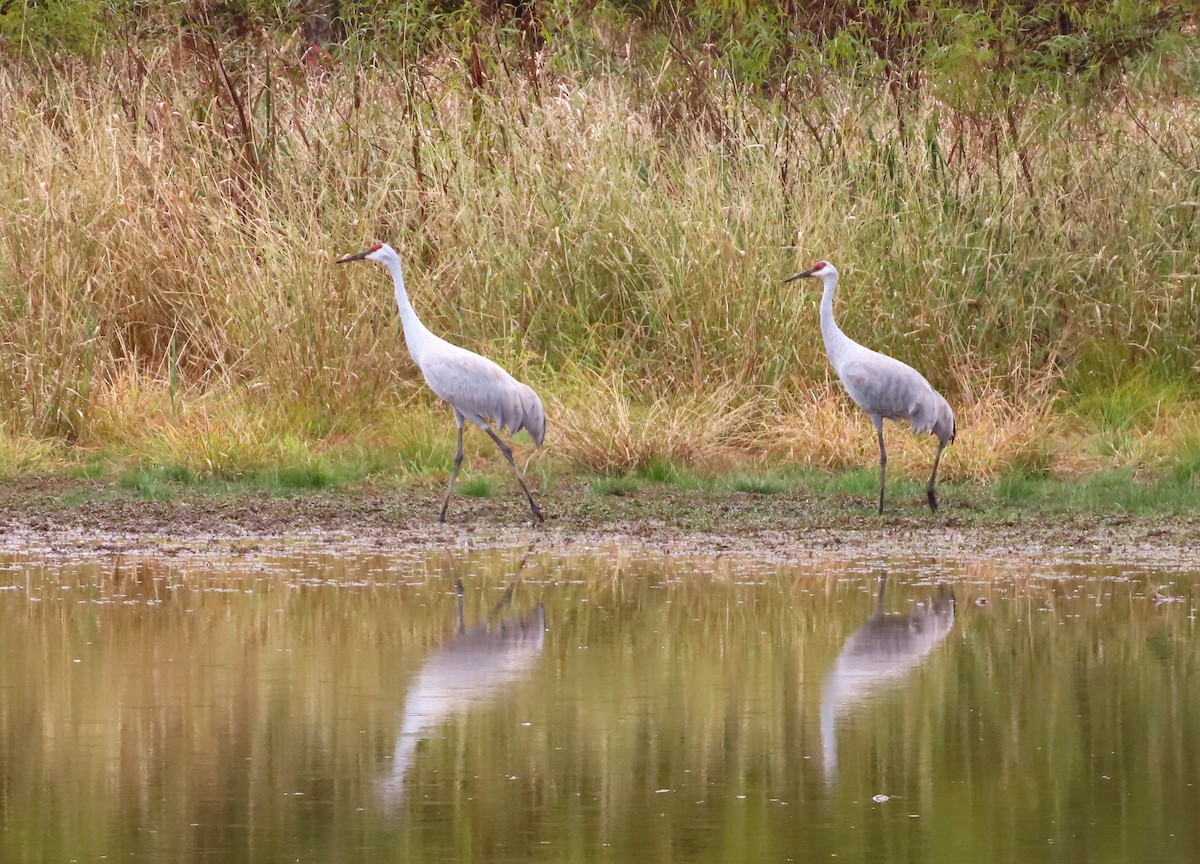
(375, 253)
(820, 270)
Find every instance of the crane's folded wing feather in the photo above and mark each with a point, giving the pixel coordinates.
(886, 387)
(483, 392)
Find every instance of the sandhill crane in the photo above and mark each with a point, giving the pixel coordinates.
(881, 385)
(880, 653)
(476, 388)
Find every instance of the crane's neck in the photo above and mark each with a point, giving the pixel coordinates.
(416, 335)
(836, 342)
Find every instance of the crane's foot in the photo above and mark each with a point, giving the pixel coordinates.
(539, 515)
(932, 496)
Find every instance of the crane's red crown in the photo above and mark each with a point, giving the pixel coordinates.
(820, 264)
(375, 248)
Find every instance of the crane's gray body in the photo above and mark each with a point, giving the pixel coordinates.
(882, 386)
(887, 389)
(479, 389)
(476, 388)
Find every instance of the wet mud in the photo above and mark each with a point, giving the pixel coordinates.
(80, 517)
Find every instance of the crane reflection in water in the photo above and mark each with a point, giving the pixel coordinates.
(877, 655)
(478, 665)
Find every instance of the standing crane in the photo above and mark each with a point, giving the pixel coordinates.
(476, 388)
(881, 385)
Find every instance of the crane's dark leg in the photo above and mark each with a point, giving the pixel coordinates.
(538, 516)
(459, 626)
(458, 457)
(930, 492)
(505, 598)
(882, 461)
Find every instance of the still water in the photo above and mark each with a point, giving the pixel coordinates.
(355, 707)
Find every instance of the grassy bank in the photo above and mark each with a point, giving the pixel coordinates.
(610, 216)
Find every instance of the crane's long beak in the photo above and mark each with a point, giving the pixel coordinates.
(357, 257)
(804, 274)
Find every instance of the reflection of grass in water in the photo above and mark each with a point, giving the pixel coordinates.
(1044, 687)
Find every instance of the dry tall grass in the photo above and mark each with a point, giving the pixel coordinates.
(170, 222)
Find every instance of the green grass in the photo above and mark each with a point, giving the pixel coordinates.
(160, 481)
(761, 483)
(857, 481)
(478, 486)
(1175, 490)
(303, 477)
(173, 480)
(1018, 488)
(1110, 491)
(1128, 403)
(91, 468)
(1186, 467)
(659, 471)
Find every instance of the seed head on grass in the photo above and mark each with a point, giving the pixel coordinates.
(613, 432)
(172, 299)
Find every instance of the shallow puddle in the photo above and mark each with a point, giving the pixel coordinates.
(356, 707)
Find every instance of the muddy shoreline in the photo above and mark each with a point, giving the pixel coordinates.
(80, 518)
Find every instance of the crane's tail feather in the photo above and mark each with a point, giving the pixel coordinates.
(517, 408)
(533, 415)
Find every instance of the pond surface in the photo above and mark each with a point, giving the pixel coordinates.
(340, 708)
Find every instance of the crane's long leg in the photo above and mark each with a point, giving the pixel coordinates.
(930, 492)
(506, 598)
(538, 516)
(459, 626)
(458, 457)
(882, 460)
(879, 596)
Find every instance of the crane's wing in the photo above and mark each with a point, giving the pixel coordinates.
(483, 392)
(886, 387)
